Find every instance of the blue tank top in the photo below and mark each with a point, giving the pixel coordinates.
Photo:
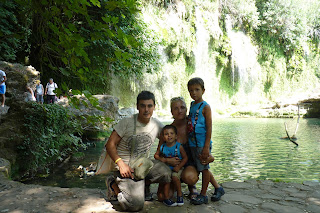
(200, 131)
(170, 152)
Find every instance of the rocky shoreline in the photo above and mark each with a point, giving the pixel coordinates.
(251, 196)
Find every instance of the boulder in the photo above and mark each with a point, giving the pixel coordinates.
(312, 104)
(106, 116)
(18, 77)
(5, 167)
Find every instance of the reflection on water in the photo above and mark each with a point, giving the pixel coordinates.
(252, 148)
(243, 149)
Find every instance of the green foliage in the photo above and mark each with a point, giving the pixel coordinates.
(14, 31)
(190, 63)
(314, 23)
(243, 13)
(82, 43)
(296, 64)
(242, 114)
(227, 81)
(285, 21)
(48, 136)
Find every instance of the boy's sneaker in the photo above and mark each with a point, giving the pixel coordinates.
(169, 202)
(111, 195)
(219, 192)
(200, 199)
(180, 201)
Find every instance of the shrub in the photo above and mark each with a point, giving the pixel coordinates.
(49, 135)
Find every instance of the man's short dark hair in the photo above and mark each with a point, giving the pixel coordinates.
(196, 81)
(146, 95)
(170, 127)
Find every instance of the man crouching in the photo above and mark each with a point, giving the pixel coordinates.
(131, 138)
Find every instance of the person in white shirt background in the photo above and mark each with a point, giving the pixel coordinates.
(49, 92)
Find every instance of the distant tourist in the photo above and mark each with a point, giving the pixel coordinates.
(30, 94)
(3, 78)
(39, 92)
(50, 87)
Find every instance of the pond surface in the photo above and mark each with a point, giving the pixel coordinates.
(243, 148)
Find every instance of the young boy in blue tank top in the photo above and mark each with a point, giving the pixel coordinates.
(199, 139)
(169, 149)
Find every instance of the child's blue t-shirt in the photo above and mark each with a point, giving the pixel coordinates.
(170, 152)
(200, 131)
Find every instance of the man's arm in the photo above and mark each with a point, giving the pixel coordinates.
(111, 147)
(4, 79)
(45, 92)
(157, 155)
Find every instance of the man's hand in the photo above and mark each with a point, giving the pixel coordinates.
(125, 170)
(173, 161)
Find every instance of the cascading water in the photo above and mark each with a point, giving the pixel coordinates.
(192, 38)
(205, 66)
(245, 68)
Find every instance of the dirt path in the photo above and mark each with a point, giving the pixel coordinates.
(249, 196)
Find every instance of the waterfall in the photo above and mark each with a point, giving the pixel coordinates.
(193, 38)
(204, 64)
(245, 67)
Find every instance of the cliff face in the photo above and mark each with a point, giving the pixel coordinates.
(33, 136)
(18, 77)
(313, 106)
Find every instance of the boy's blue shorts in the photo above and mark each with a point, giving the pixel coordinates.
(196, 151)
(2, 89)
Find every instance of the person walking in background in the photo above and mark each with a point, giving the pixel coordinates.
(39, 92)
(29, 94)
(3, 78)
(200, 130)
(50, 87)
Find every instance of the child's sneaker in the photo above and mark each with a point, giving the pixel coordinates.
(169, 202)
(219, 192)
(180, 201)
(200, 199)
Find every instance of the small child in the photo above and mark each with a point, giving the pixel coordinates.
(171, 148)
(199, 139)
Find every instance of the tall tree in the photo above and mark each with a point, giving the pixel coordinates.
(83, 42)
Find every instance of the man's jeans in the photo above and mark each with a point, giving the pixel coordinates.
(131, 197)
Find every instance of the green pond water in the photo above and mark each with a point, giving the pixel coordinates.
(243, 148)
